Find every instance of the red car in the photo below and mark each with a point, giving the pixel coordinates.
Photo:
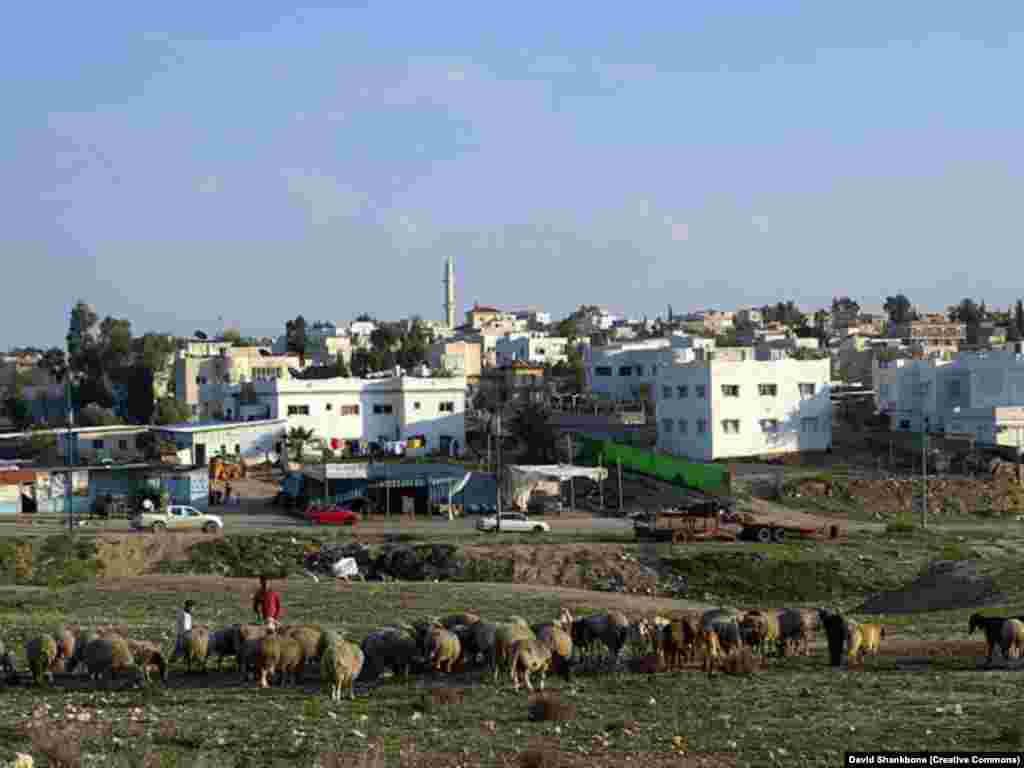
(332, 514)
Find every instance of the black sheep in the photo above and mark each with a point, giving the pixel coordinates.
(993, 627)
(835, 631)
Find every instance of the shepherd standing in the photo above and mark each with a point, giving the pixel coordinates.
(267, 605)
(183, 626)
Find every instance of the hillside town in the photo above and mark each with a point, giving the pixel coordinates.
(489, 385)
(706, 385)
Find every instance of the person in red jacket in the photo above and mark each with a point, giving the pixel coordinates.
(267, 605)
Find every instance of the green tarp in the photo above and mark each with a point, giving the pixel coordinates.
(710, 478)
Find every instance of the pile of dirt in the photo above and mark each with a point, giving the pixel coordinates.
(590, 566)
(945, 585)
(134, 554)
(890, 497)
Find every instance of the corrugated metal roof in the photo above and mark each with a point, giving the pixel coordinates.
(203, 426)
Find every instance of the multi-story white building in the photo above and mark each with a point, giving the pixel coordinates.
(627, 372)
(728, 404)
(348, 409)
(200, 381)
(981, 394)
(534, 347)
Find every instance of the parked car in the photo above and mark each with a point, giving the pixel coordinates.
(331, 514)
(178, 517)
(512, 522)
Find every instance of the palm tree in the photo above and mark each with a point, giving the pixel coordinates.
(297, 439)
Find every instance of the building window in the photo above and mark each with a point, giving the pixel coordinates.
(97, 445)
(379, 409)
(768, 390)
(683, 391)
(683, 426)
(298, 410)
(806, 390)
(350, 410)
(122, 445)
(416, 406)
(702, 426)
(701, 391)
(603, 370)
(329, 407)
(770, 425)
(625, 370)
(666, 424)
(731, 426)
(953, 386)
(810, 425)
(666, 392)
(904, 423)
(448, 407)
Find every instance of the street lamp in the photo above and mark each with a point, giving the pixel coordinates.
(322, 443)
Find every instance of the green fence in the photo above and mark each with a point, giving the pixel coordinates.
(710, 478)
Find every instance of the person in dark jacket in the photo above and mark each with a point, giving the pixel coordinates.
(835, 632)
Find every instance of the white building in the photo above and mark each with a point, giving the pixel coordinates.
(627, 372)
(981, 394)
(535, 347)
(373, 410)
(728, 404)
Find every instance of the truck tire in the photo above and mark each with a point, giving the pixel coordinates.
(763, 534)
(159, 527)
(779, 535)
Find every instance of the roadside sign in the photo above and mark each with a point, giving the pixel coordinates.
(348, 471)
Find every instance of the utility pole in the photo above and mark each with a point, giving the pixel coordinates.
(924, 476)
(497, 478)
(621, 508)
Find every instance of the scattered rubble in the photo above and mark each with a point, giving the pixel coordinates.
(999, 495)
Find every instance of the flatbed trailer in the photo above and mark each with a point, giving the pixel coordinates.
(704, 522)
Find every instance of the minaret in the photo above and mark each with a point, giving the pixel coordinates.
(449, 292)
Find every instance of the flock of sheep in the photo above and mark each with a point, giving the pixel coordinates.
(451, 644)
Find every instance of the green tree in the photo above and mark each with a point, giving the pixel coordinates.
(232, 335)
(171, 411)
(413, 345)
(295, 337)
(155, 351)
(537, 437)
(364, 318)
(93, 415)
(81, 333)
(341, 369)
(1018, 319)
(966, 312)
(18, 411)
(899, 308)
(361, 363)
(297, 439)
(115, 342)
(576, 368)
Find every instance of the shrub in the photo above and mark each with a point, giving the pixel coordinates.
(900, 526)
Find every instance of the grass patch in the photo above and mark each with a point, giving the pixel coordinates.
(767, 576)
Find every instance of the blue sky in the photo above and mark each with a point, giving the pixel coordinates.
(178, 163)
